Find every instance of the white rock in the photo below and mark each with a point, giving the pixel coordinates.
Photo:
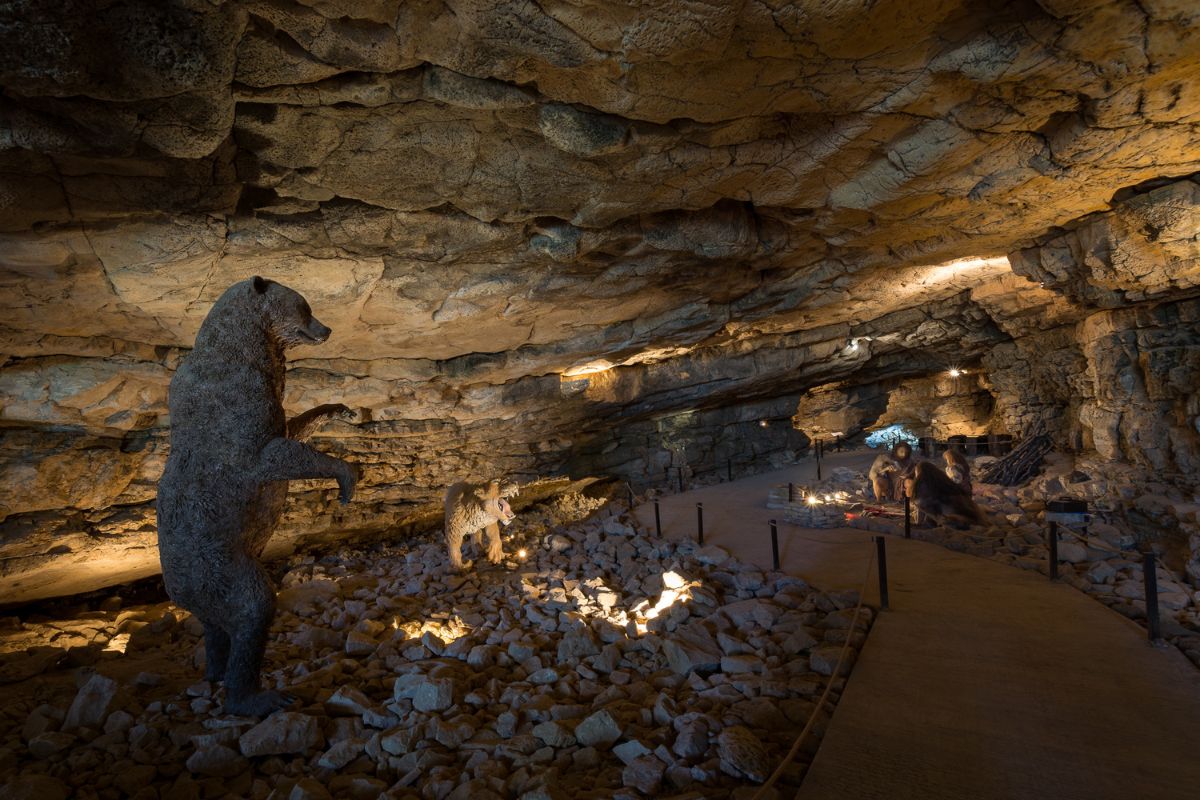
(823, 660)
(309, 789)
(217, 761)
(282, 732)
(598, 730)
(92, 704)
(347, 701)
(360, 644)
(630, 751)
(742, 754)
(341, 754)
(692, 647)
(435, 694)
(554, 734)
(644, 774)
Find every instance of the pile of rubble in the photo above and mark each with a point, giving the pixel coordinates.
(597, 661)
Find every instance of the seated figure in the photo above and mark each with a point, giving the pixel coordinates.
(890, 471)
(939, 499)
(958, 469)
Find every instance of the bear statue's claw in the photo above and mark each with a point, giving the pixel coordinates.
(258, 704)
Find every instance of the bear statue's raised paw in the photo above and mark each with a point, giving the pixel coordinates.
(258, 704)
(343, 412)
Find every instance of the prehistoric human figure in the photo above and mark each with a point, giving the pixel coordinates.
(226, 479)
(472, 509)
(936, 496)
(958, 469)
(889, 471)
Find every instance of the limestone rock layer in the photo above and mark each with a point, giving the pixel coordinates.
(575, 238)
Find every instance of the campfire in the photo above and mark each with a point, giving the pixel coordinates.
(813, 506)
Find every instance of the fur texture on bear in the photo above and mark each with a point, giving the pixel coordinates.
(226, 479)
(472, 509)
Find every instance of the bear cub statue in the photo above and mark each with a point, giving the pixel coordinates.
(226, 479)
(472, 509)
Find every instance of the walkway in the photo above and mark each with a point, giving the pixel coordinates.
(982, 682)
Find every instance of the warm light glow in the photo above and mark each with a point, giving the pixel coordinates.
(446, 630)
(675, 589)
(762, 423)
(955, 372)
(588, 368)
(117, 644)
(812, 500)
(853, 345)
(950, 269)
(522, 553)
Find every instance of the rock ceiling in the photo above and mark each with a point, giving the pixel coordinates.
(480, 195)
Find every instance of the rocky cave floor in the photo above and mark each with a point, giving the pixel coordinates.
(602, 663)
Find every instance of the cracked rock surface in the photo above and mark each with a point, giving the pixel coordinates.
(486, 199)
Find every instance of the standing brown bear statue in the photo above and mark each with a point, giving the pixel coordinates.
(225, 482)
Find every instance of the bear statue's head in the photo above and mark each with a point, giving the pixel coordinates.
(288, 314)
(494, 502)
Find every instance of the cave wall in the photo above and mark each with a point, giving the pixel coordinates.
(937, 405)
(1120, 381)
(718, 200)
(704, 445)
(1098, 345)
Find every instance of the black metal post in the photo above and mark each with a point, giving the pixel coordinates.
(791, 491)
(774, 544)
(1052, 546)
(729, 469)
(818, 460)
(667, 473)
(1150, 576)
(700, 524)
(907, 516)
(881, 552)
(657, 519)
(681, 480)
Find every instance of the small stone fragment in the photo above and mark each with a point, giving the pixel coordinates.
(282, 732)
(92, 704)
(217, 761)
(742, 754)
(598, 730)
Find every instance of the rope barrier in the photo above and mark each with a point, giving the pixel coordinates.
(791, 755)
